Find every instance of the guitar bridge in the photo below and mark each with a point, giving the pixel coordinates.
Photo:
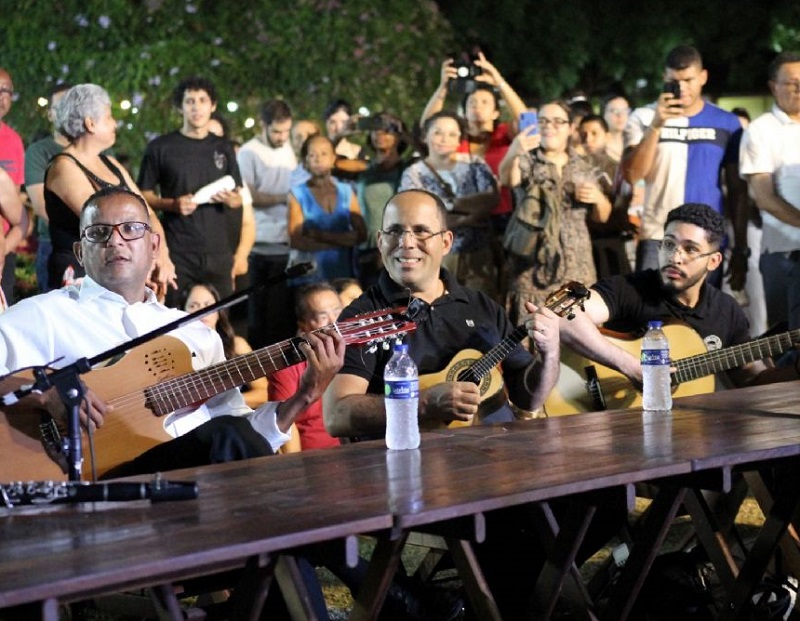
(50, 438)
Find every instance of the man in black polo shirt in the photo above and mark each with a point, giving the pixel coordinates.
(412, 242)
(675, 291)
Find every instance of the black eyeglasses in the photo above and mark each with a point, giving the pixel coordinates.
(689, 253)
(421, 234)
(544, 122)
(101, 233)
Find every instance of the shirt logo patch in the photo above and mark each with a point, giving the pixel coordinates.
(220, 160)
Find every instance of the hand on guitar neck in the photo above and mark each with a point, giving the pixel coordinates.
(471, 386)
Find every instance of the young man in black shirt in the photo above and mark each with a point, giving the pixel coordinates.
(689, 251)
(178, 164)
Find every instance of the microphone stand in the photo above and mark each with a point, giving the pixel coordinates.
(67, 382)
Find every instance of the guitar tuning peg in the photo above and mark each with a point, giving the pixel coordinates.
(385, 346)
(372, 349)
(570, 316)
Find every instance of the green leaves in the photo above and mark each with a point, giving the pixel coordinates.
(379, 55)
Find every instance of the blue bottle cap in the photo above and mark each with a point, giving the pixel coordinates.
(654, 324)
(401, 348)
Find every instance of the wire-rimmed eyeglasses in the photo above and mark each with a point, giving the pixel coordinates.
(421, 234)
(688, 252)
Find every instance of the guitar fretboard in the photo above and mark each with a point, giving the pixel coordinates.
(186, 390)
(694, 367)
(495, 355)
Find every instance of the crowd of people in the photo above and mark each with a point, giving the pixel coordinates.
(607, 177)
(659, 210)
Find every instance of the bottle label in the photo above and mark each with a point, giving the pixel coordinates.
(654, 357)
(401, 389)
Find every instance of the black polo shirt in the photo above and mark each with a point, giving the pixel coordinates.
(461, 319)
(635, 299)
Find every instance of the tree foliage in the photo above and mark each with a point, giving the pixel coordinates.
(549, 48)
(376, 54)
(380, 55)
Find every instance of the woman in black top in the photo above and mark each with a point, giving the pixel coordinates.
(84, 116)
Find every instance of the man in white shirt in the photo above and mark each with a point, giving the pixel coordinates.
(266, 163)
(769, 160)
(113, 305)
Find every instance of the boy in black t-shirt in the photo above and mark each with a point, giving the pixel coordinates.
(178, 164)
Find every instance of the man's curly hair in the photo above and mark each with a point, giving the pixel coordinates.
(700, 215)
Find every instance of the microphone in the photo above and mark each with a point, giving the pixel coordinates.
(160, 491)
(59, 492)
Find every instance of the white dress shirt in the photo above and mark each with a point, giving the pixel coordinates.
(65, 325)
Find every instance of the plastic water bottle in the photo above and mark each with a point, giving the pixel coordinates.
(401, 399)
(657, 392)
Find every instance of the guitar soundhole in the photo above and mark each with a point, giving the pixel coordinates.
(159, 363)
(461, 372)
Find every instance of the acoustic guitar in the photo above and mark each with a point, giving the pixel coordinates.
(470, 365)
(148, 387)
(586, 386)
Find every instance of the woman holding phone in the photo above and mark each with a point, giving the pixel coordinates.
(485, 136)
(547, 170)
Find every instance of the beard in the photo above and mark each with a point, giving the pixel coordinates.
(674, 286)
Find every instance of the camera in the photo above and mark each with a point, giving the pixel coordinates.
(369, 123)
(466, 72)
(372, 123)
(673, 87)
(466, 69)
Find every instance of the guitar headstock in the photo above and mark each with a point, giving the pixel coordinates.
(375, 327)
(563, 301)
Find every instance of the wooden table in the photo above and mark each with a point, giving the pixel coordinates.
(248, 512)
(245, 512)
(469, 471)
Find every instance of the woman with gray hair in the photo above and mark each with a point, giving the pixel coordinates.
(84, 116)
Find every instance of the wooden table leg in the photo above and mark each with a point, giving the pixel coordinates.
(711, 535)
(648, 541)
(790, 543)
(475, 585)
(249, 596)
(382, 567)
(783, 512)
(163, 597)
(294, 589)
(561, 543)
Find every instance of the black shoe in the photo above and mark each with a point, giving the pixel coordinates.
(442, 604)
(407, 600)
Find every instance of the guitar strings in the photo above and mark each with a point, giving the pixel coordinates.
(719, 360)
(187, 389)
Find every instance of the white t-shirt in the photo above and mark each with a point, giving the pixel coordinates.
(771, 144)
(268, 170)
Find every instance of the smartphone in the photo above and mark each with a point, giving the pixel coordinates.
(528, 119)
(369, 123)
(673, 87)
